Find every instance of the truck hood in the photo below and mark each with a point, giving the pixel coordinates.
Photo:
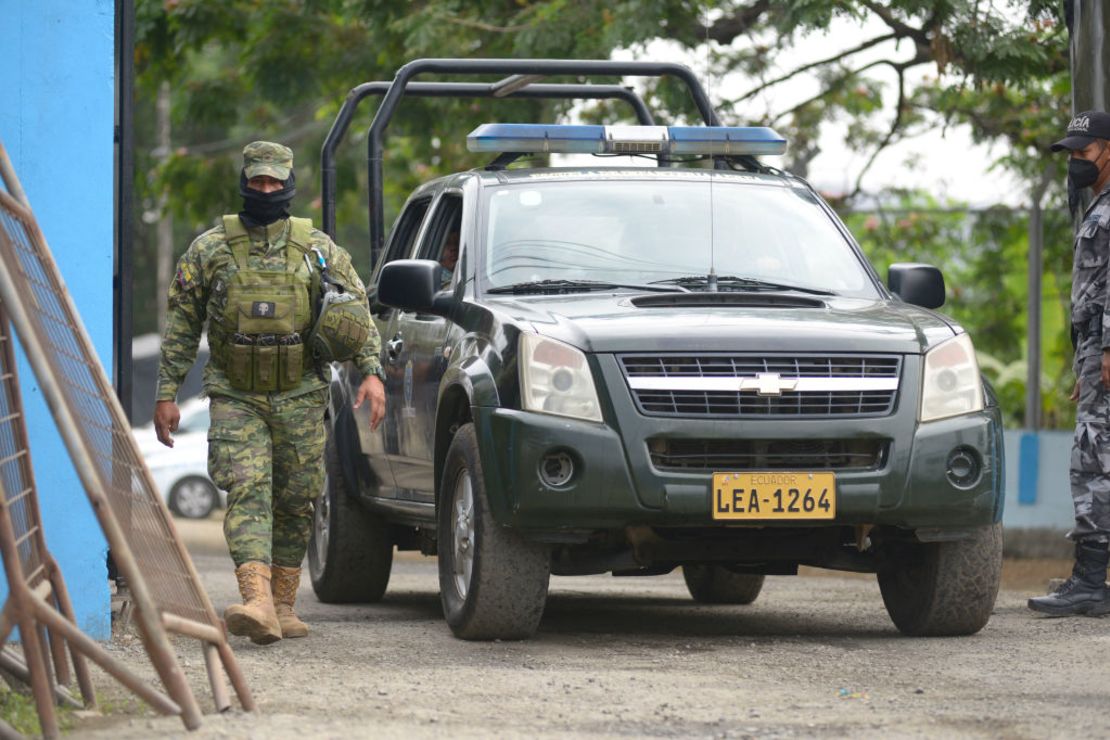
(615, 323)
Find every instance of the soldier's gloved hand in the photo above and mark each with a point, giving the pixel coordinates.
(1106, 368)
(1074, 392)
(166, 417)
(372, 388)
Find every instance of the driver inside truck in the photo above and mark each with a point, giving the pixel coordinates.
(448, 257)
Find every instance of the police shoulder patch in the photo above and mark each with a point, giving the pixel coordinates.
(1101, 213)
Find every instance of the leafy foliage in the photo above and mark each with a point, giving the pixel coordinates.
(984, 255)
(241, 70)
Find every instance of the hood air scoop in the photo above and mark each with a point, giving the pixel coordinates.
(758, 300)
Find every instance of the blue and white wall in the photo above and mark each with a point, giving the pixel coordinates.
(56, 121)
(1038, 486)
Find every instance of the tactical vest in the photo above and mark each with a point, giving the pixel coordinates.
(267, 313)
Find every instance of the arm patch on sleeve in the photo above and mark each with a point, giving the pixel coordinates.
(186, 278)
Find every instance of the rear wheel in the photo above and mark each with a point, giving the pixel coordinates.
(193, 497)
(942, 588)
(716, 584)
(492, 582)
(350, 554)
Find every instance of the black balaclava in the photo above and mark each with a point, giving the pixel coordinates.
(262, 209)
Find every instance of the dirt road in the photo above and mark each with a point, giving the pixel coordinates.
(815, 656)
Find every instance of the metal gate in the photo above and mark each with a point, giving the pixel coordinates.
(164, 584)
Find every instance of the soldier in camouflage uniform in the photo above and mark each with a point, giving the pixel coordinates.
(1088, 141)
(254, 280)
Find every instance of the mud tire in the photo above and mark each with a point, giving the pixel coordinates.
(350, 555)
(507, 588)
(943, 589)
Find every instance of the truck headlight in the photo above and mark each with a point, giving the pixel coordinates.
(952, 385)
(555, 379)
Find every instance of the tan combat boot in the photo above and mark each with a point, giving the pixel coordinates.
(285, 583)
(255, 617)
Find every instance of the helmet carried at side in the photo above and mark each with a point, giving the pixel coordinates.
(342, 326)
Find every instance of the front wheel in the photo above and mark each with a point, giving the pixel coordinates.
(350, 554)
(716, 584)
(492, 582)
(939, 589)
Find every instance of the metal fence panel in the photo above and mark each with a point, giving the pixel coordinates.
(164, 584)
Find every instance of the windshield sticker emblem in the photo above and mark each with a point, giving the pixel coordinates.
(767, 384)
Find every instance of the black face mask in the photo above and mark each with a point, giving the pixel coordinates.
(1082, 173)
(262, 209)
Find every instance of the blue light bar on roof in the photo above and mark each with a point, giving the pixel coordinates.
(725, 140)
(528, 137)
(562, 139)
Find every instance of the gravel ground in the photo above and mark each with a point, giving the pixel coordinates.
(815, 656)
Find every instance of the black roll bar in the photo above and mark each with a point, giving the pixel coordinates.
(512, 67)
(521, 75)
(453, 90)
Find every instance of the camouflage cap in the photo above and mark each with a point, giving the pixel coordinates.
(267, 158)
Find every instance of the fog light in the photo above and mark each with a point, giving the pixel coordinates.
(964, 467)
(556, 469)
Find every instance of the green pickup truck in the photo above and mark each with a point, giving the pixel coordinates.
(630, 370)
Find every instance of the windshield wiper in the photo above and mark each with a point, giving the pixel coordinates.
(543, 286)
(739, 282)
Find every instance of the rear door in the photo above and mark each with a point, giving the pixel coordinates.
(382, 447)
(423, 359)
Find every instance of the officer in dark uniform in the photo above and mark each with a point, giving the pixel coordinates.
(1088, 144)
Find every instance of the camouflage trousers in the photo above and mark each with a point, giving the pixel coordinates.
(1090, 455)
(269, 457)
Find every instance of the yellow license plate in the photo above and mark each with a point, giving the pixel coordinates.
(774, 495)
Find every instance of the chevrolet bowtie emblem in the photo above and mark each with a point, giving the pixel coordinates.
(767, 384)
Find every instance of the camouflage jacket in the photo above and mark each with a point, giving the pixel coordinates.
(199, 291)
(1090, 306)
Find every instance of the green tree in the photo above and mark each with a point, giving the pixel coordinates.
(244, 69)
(983, 254)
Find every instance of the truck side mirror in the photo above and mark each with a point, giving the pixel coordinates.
(921, 285)
(413, 285)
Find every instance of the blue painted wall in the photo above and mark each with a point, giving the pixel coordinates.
(56, 121)
(1045, 499)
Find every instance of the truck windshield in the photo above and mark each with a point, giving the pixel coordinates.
(648, 231)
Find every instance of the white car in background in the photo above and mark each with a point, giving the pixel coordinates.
(181, 471)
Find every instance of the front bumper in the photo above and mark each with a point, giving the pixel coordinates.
(615, 484)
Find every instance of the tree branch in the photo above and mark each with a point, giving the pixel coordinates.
(303, 123)
(899, 67)
(836, 84)
(726, 28)
(902, 30)
(806, 67)
(478, 25)
(894, 128)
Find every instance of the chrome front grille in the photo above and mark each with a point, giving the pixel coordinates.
(738, 386)
(723, 455)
